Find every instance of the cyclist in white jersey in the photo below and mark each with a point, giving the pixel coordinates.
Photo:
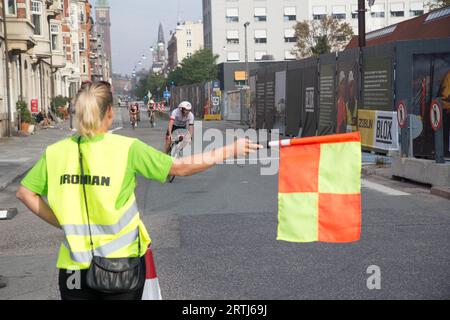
(181, 118)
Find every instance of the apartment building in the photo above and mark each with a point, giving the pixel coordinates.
(49, 53)
(184, 42)
(270, 31)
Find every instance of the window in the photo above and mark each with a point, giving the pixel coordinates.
(260, 15)
(233, 56)
(54, 31)
(83, 41)
(319, 12)
(232, 15)
(188, 32)
(189, 43)
(339, 13)
(417, 8)
(290, 14)
(36, 16)
(232, 37)
(189, 54)
(260, 36)
(82, 13)
(84, 66)
(377, 11)
(354, 12)
(10, 7)
(259, 55)
(289, 36)
(397, 10)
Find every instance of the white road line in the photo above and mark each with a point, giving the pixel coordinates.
(19, 160)
(116, 129)
(382, 189)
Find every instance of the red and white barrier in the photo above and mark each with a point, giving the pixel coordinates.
(152, 290)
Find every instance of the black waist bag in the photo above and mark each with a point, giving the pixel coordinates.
(112, 275)
(118, 275)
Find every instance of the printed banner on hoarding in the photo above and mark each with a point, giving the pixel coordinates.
(379, 129)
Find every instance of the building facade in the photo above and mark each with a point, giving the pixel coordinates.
(103, 35)
(184, 42)
(49, 54)
(271, 23)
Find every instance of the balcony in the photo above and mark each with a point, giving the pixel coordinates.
(20, 34)
(54, 7)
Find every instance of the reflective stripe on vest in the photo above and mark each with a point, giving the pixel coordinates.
(98, 229)
(104, 250)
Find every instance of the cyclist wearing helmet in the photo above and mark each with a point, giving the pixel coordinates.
(181, 118)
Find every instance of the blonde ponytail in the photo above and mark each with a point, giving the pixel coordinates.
(91, 104)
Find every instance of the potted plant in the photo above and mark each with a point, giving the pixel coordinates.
(25, 115)
(59, 104)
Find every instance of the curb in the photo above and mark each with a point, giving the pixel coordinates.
(443, 192)
(14, 176)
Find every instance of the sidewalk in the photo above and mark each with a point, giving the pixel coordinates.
(19, 154)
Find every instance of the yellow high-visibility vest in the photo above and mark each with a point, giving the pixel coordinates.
(115, 231)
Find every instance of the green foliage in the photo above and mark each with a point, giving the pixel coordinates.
(200, 67)
(316, 37)
(156, 83)
(59, 101)
(22, 110)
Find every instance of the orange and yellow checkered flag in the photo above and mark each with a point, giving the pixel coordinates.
(320, 189)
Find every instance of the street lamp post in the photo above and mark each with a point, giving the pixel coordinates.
(247, 69)
(8, 89)
(362, 23)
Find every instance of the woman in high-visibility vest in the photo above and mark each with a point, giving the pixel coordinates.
(111, 228)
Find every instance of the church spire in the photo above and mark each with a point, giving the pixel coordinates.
(161, 34)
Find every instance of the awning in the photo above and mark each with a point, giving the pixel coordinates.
(289, 33)
(339, 10)
(232, 12)
(233, 56)
(416, 6)
(259, 54)
(290, 11)
(232, 34)
(377, 8)
(397, 7)
(260, 12)
(260, 34)
(319, 10)
(288, 55)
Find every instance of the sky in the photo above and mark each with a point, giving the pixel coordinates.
(134, 27)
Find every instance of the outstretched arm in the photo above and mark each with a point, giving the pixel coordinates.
(198, 163)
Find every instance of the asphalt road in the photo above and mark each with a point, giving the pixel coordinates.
(214, 238)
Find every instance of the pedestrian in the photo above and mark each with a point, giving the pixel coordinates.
(89, 180)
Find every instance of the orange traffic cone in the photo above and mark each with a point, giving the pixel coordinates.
(152, 290)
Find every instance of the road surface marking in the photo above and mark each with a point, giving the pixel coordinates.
(116, 129)
(382, 189)
(19, 160)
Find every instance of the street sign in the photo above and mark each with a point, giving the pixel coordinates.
(402, 115)
(167, 94)
(34, 106)
(436, 115)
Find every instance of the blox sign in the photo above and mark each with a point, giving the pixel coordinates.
(379, 129)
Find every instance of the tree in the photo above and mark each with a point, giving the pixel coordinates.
(321, 36)
(156, 83)
(200, 67)
(436, 4)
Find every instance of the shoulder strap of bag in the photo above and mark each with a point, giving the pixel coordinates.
(83, 183)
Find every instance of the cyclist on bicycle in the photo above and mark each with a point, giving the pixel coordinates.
(181, 118)
(151, 111)
(133, 114)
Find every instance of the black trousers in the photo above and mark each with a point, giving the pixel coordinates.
(72, 286)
